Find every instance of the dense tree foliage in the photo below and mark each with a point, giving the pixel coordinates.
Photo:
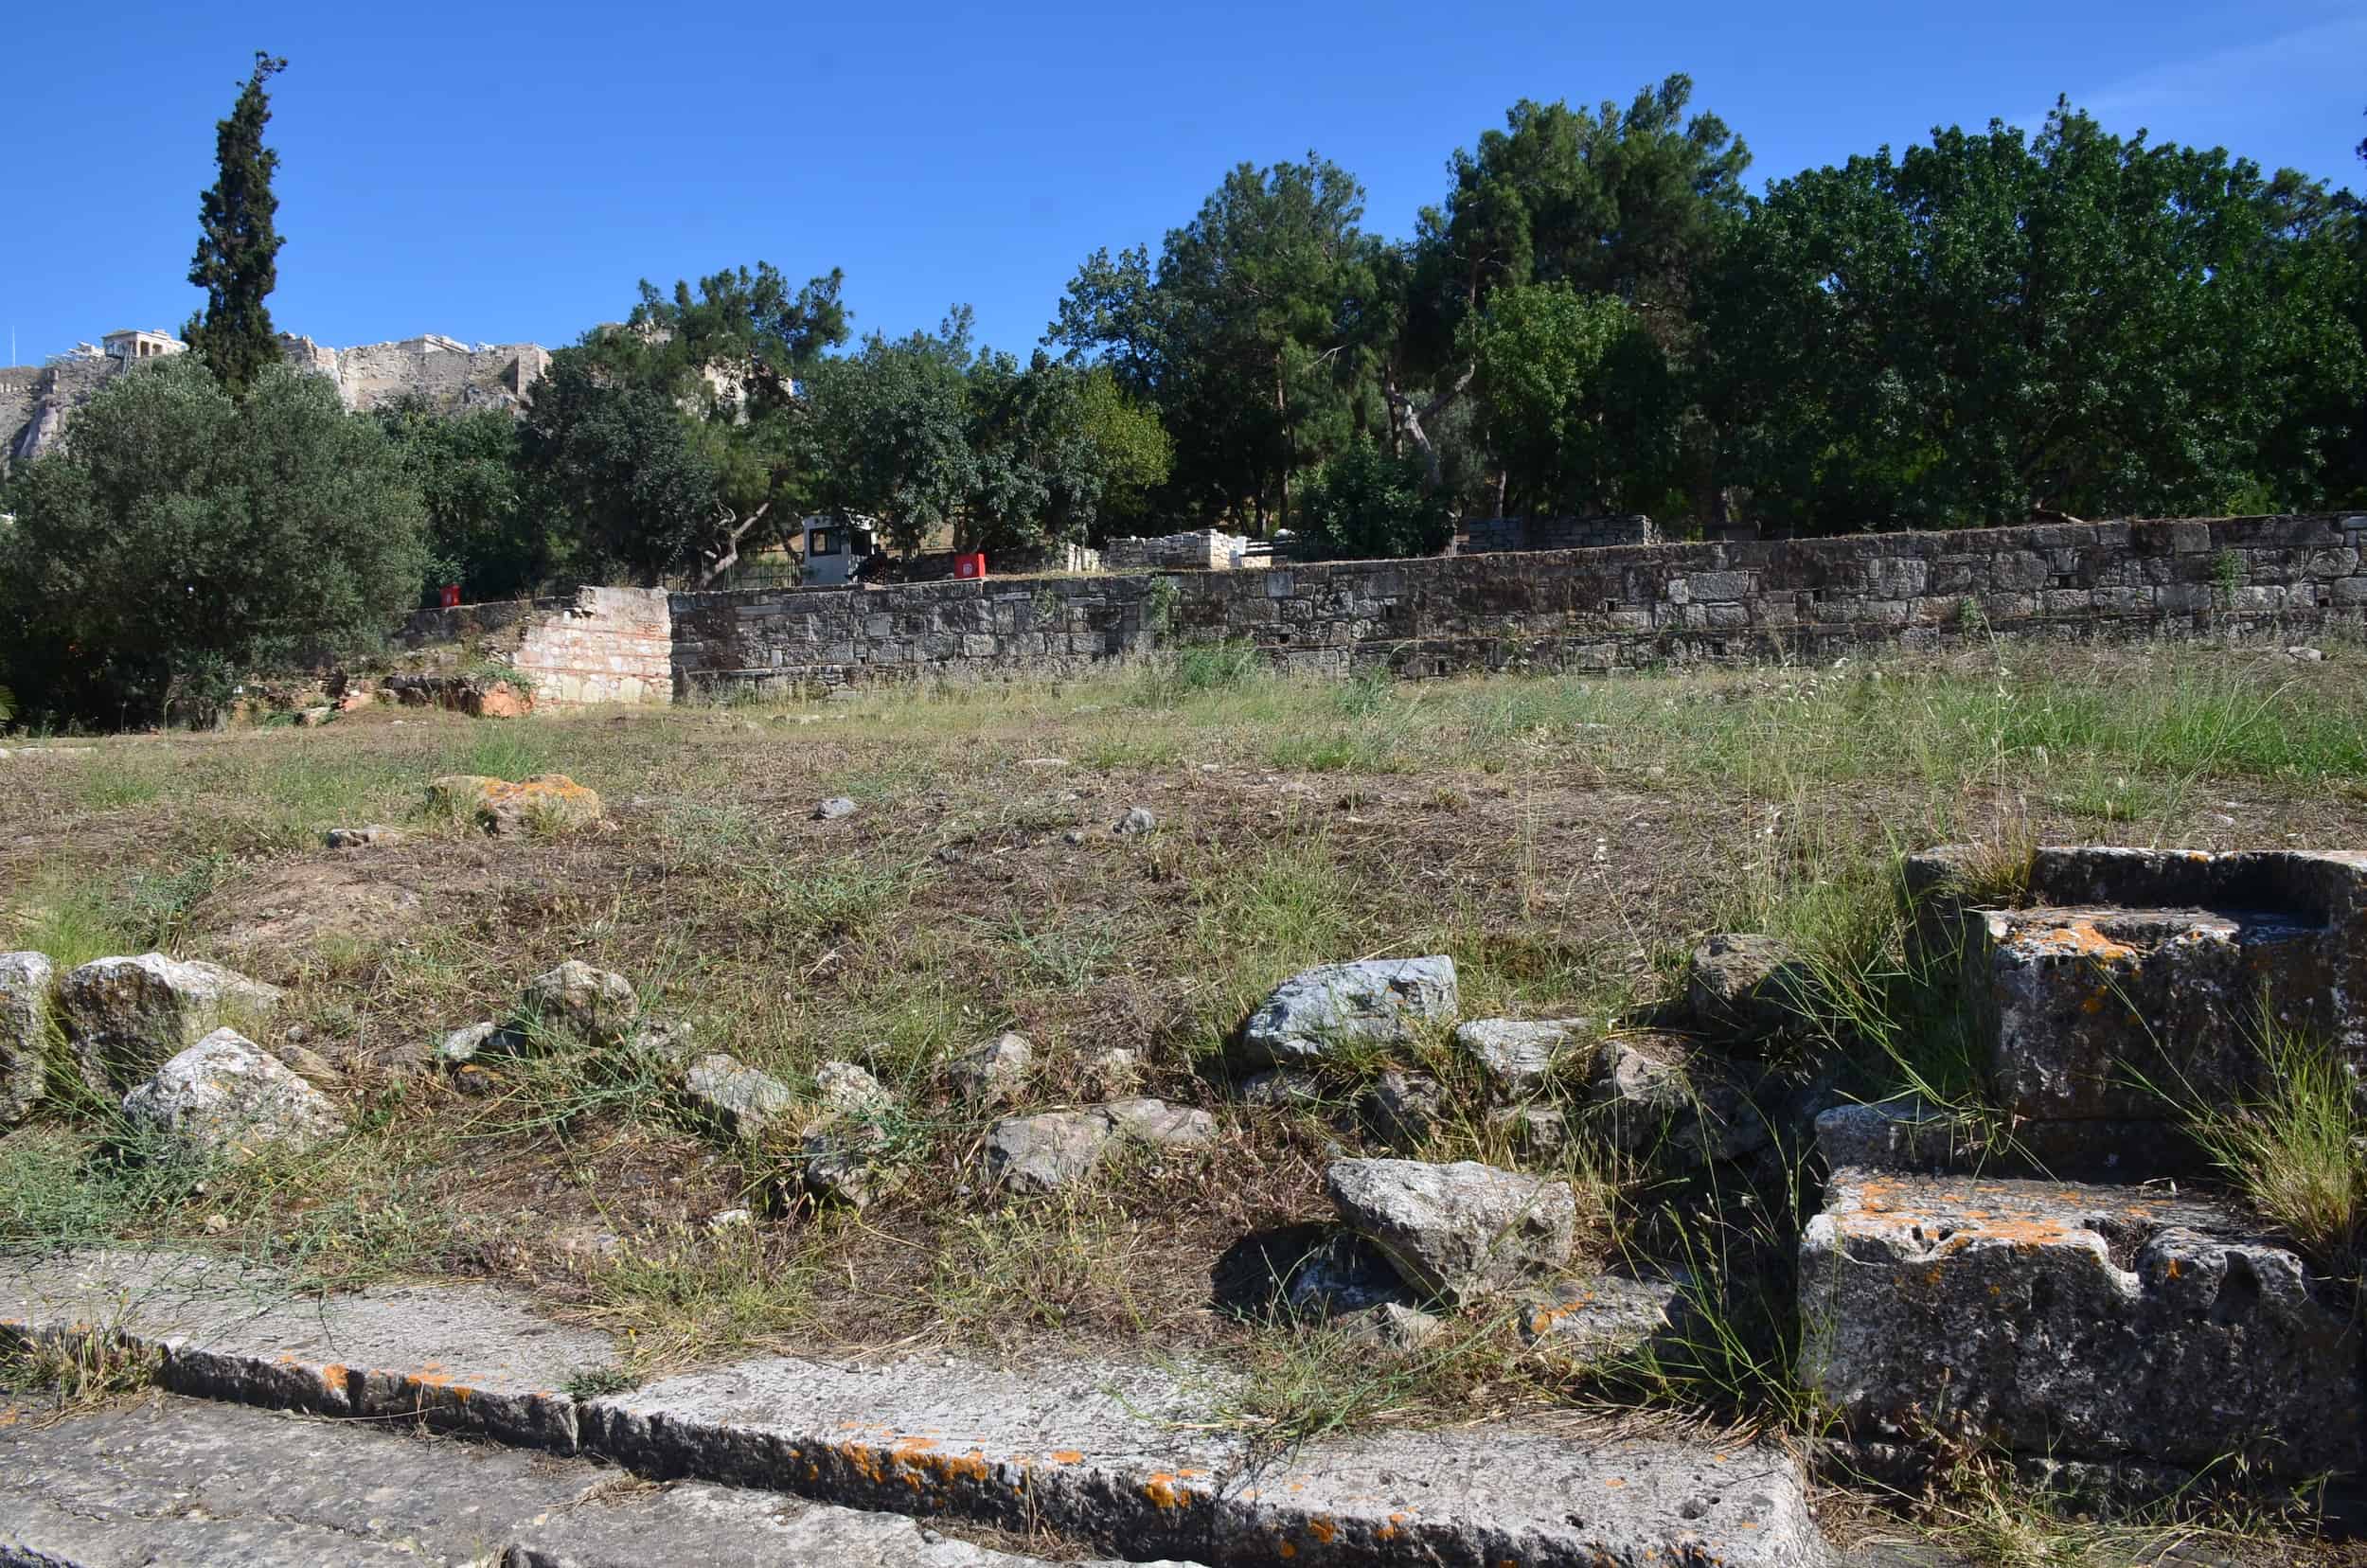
(1987, 325)
(484, 531)
(619, 470)
(238, 249)
(1256, 337)
(1596, 316)
(183, 539)
(1365, 505)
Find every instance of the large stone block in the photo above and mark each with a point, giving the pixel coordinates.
(2078, 1323)
(124, 1018)
(2129, 983)
(24, 980)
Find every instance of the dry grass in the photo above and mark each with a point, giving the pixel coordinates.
(1566, 840)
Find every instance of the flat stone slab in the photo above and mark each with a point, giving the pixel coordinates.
(207, 1486)
(1135, 1457)
(459, 1358)
(2097, 1324)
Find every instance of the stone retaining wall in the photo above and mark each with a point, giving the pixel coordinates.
(1495, 534)
(1598, 609)
(609, 645)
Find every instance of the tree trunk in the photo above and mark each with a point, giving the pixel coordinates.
(1410, 419)
(730, 556)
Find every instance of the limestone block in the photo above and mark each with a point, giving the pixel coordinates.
(2080, 1322)
(1455, 1231)
(125, 1017)
(228, 1097)
(24, 980)
(1374, 1001)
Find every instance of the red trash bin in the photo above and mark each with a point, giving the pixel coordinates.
(971, 565)
(450, 595)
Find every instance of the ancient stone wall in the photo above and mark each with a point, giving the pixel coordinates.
(1201, 550)
(609, 645)
(1601, 609)
(1495, 534)
(38, 403)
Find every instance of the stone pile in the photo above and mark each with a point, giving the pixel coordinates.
(1417, 1235)
(2122, 1336)
(160, 1036)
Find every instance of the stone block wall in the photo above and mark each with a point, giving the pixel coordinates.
(609, 645)
(1595, 609)
(1495, 534)
(1201, 550)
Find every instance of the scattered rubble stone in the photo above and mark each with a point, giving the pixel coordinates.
(123, 1018)
(462, 1046)
(1517, 1055)
(1597, 1319)
(1282, 1086)
(1113, 1073)
(1376, 1001)
(1161, 1124)
(1742, 988)
(1137, 821)
(24, 980)
(1542, 1131)
(845, 1163)
(1456, 1231)
(833, 809)
(376, 834)
(736, 1099)
(226, 1098)
(2082, 1323)
(543, 803)
(1047, 1151)
(662, 1043)
(1344, 1274)
(590, 1006)
(995, 1073)
(309, 1065)
(847, 1088)
(1402, 1109)
(1395, 1327)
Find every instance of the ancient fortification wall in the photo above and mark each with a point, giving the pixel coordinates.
(1602, 609)
(609, 645)
(38, 403)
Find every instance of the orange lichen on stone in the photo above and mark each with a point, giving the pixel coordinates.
(1066, 1457)
(2073, 940)
(1322, 1530)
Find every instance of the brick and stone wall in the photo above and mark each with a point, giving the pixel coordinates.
(1598, 609)
(1497, 534)
(609, 645)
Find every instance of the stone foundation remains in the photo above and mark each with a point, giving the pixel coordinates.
(2122, 1338)
(1582, 610)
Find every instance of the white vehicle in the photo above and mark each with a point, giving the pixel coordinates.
(835, 551)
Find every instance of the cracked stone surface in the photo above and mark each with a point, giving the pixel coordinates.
(2093, 1324)
(205, 1485)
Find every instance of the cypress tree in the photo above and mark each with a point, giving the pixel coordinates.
(237, 251)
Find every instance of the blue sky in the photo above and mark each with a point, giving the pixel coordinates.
(506, 173)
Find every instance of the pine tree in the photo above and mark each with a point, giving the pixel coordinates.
(236, 261)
